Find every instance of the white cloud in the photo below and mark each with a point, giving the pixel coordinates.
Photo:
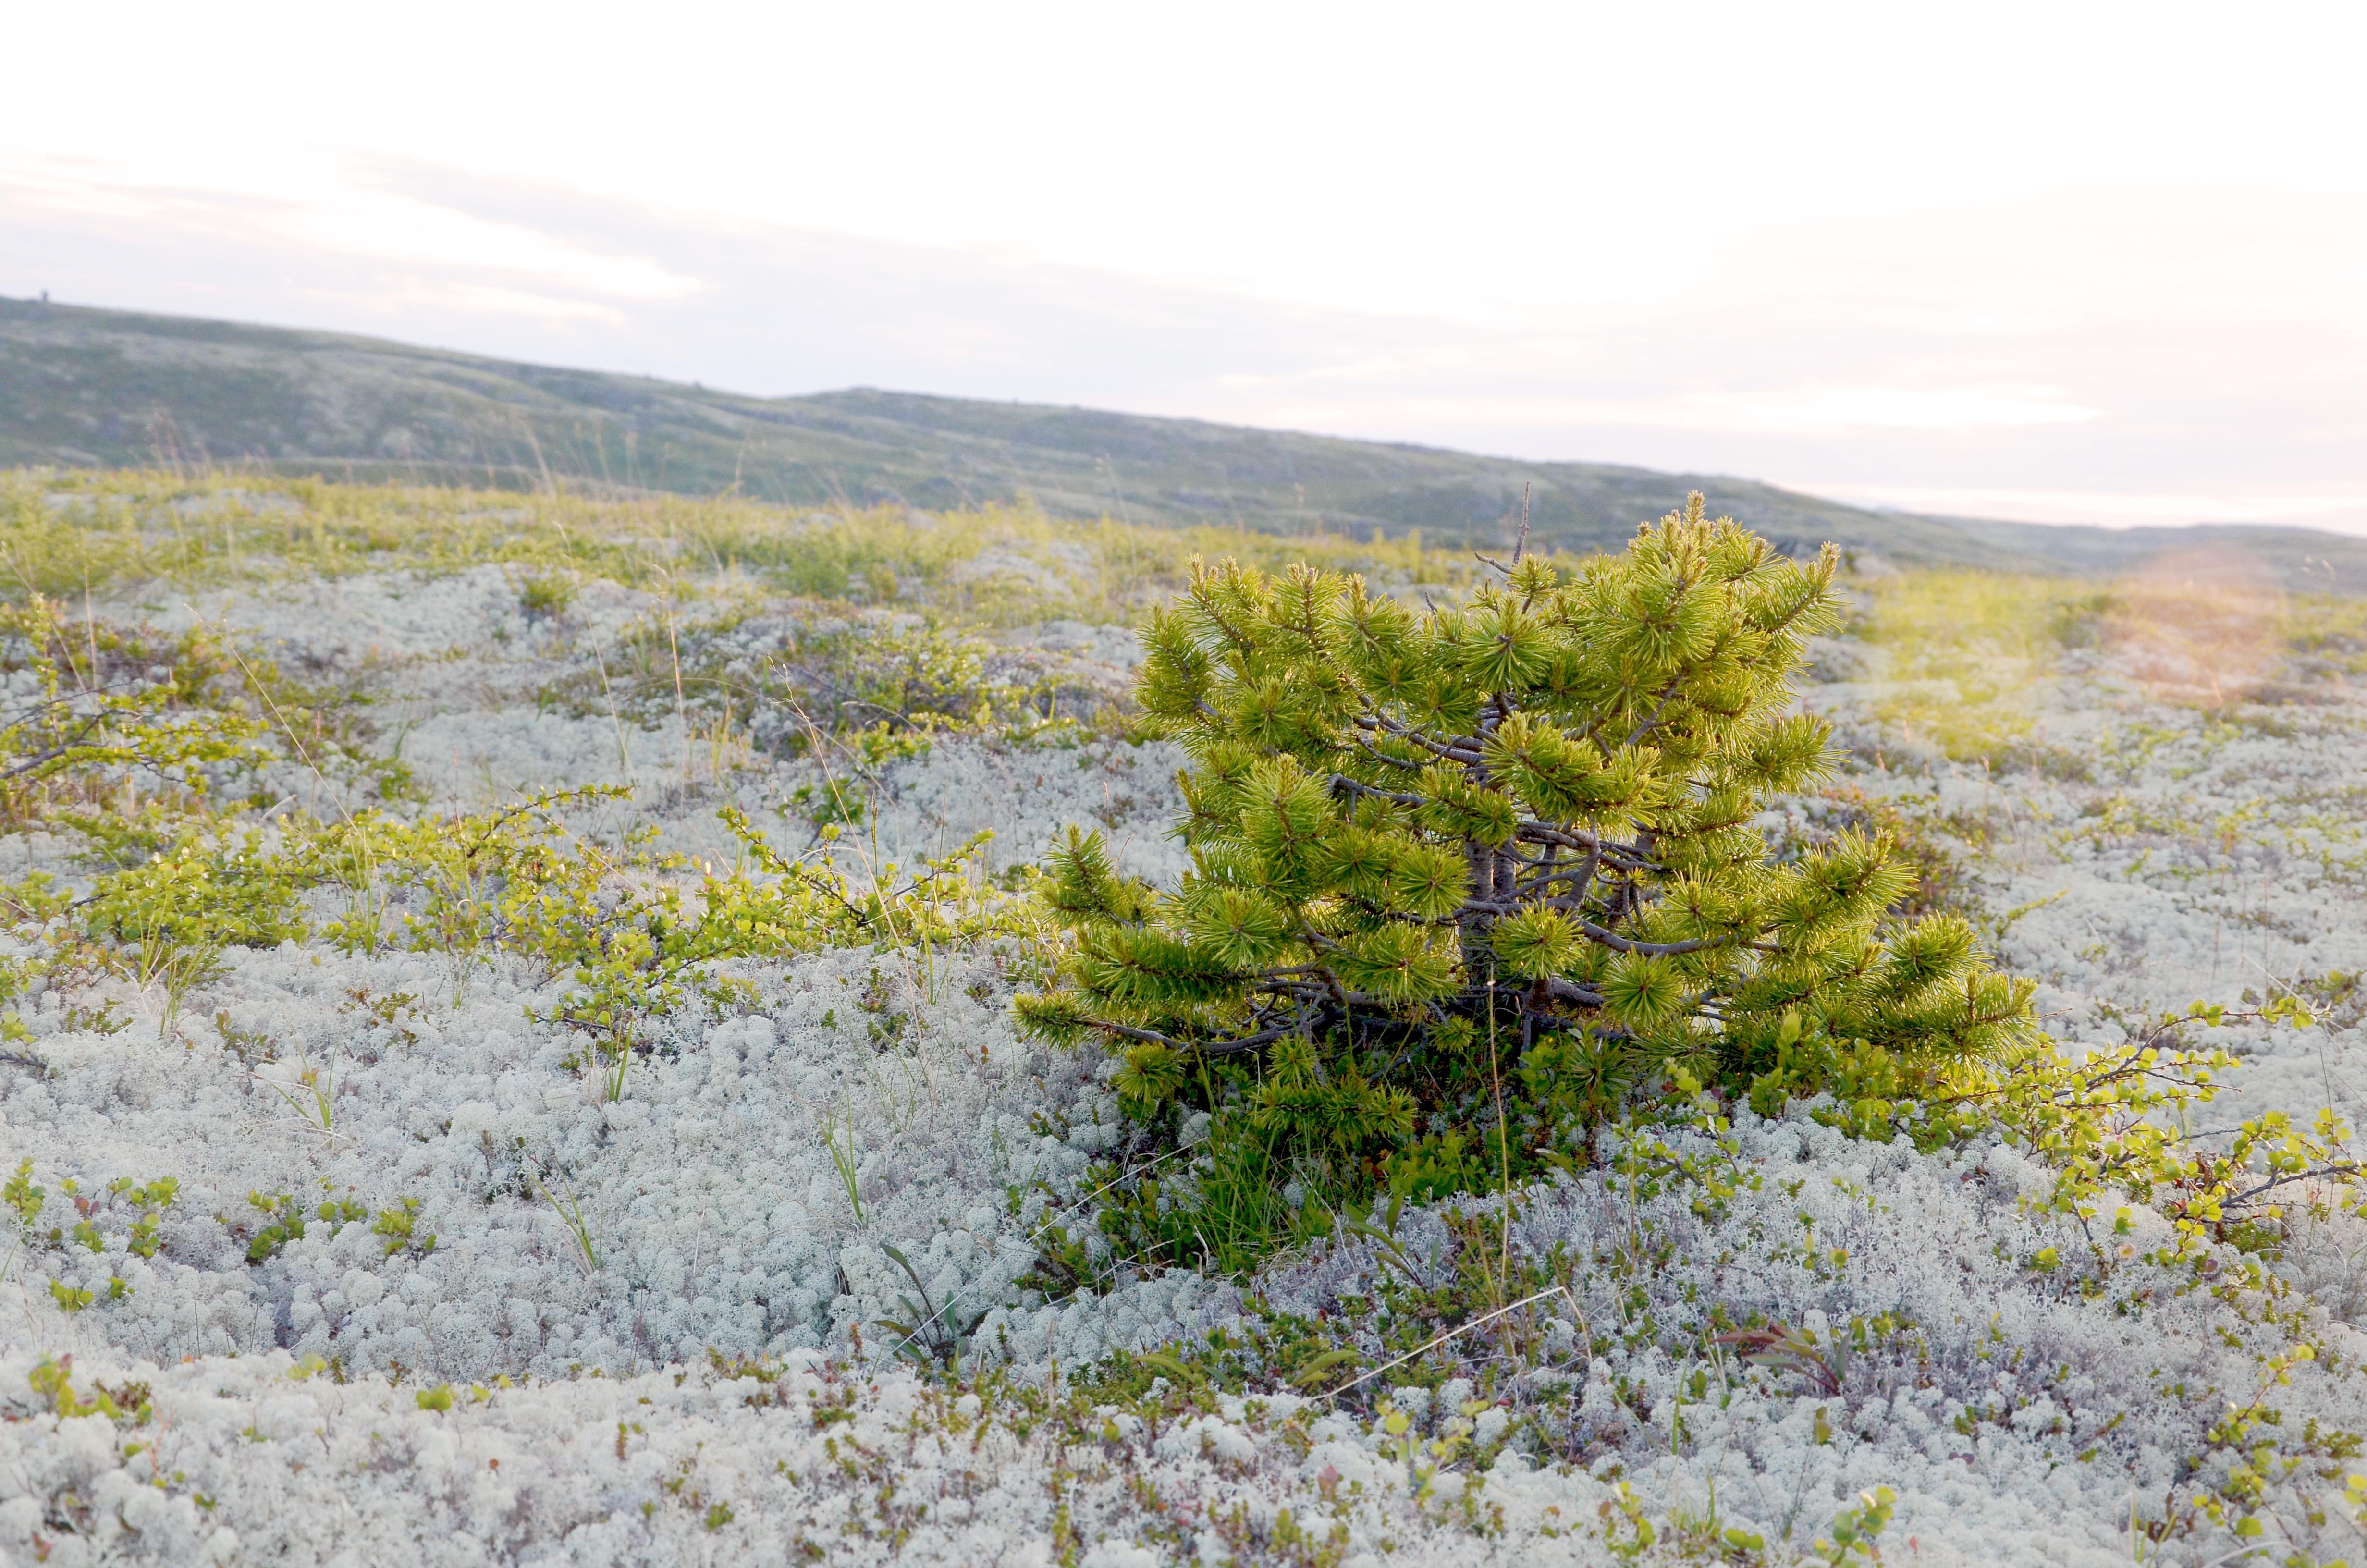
(1894, 407)
(330, 210)
(1875, 244)
(2342, 511)
(1817, 411)
(1482, 165)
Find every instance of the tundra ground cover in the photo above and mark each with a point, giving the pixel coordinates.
(496, 1217)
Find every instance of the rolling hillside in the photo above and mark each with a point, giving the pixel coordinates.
(83, 386)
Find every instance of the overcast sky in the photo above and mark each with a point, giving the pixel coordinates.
(2063, 262)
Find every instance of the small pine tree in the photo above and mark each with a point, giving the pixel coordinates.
(1506, 843)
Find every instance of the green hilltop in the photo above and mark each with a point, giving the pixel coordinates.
(81, 387)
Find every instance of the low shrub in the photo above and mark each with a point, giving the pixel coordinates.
(1464, 879)
(95, 712)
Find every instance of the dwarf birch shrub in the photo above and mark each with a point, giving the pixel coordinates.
(1492, 865)
(624, 925)
(93, 713)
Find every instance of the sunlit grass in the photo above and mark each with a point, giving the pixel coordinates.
(1969, 653)
(67, 533)
(1965, 649)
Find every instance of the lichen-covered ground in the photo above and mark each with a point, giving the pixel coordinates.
(659, 1329)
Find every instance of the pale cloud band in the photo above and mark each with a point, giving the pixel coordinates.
(1952, 364)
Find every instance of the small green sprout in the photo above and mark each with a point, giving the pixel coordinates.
(21, 1195)
(52, 1381)
(1856, 1529)
(545, 596)
(397, 1228)
(286, 1224)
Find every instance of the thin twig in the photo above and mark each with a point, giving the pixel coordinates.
(1442, 1339)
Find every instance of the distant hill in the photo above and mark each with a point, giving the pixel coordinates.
(83, 386)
